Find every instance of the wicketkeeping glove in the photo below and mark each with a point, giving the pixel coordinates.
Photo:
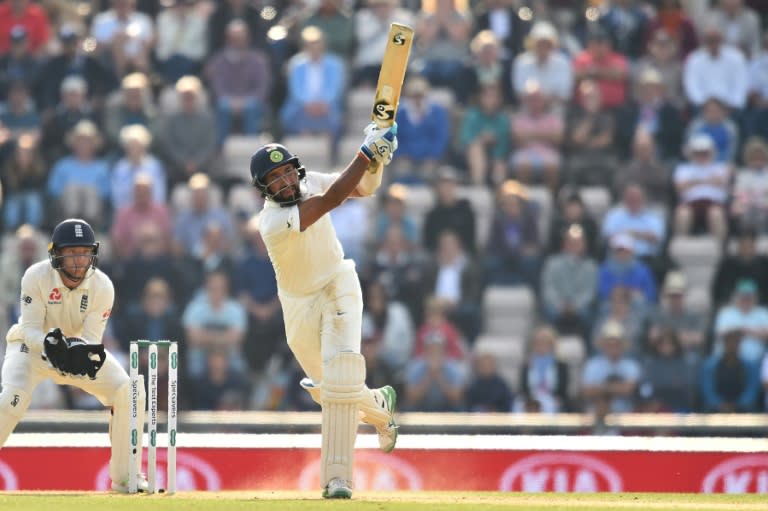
(380, 143)
(73, 356)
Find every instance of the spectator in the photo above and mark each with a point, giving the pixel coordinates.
(391, 326)
(215, 251)
(19, 64)
(702, 188)
(674, 316)
(623, 268)
(748, 318)
(663, 57)
(672, 19)
(501, 18)
(627, 24)
(543, 64)
(141, 209)
(350, 220)
(132, 105)
(669, 379)
(728, 382)
(756, 116)
(424, 132)
(608, 70)
(19, 114)
(212, 321)
(190, 223)
(314, 105)
(486, 391)
(377, 373)
(229, 10)
(488, 66)
(456, 279)
(749, 199)
(220, 386)
(125, 38)
(154, 318)
(651, 112)
(449, 213)
(434, 382)
(589, 138)
(74, 61)
(514, 249)
(741, 26)
(537, 132)
(626, 310)
(24, 176)
(79, 183)
(437, 324)
(571, 211)
(240, 81)
(135, 140)
(182, 42)
(544, 378)
(188, 135)
(443, 46)
(256, 289)
(633, 217)
(645, 171)
(73, 108)
(337, 27)
(569, 284)
(371, 25)
(393, 213)
(716, 70)
(30, 16)
(713, 120)
(611, 373)
(484, 137)
(746, 263)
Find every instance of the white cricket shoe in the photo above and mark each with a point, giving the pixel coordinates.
(387, 433)
(338, 488)
(142, 485)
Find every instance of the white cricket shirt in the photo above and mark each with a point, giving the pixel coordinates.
(304, 261)
(47, 303)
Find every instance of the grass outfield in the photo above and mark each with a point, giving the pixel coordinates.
(379, 501)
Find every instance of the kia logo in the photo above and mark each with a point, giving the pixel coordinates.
(8, 479)
(373, 471)
(192, 473)
(739, 474)
(560, 473)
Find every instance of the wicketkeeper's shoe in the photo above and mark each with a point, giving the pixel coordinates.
(388, 433)
(142, 485)
(337, 488)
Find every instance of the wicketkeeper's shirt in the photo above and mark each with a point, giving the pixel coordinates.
(47, 303)
(304, 261)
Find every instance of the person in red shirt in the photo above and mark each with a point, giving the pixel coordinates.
(29, 15)
(607, 68)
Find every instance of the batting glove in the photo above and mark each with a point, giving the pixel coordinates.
(380, 143)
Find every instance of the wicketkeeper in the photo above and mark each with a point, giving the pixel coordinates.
(65, 305)
(320, 294)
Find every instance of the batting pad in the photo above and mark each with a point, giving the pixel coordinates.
(120, 431)
(371, 410)
(340, 392)
(13, 404)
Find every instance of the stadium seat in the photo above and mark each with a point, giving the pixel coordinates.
(238, 150)
(571, 350)
(359, 106)
(483, 204)
(418, 202)
(244, 198)
(699, 299)
(597, 200)
(508, 310)
(542, 196)
(695, 250)
(314, 151)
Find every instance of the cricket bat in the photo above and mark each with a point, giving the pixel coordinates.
(391, 77)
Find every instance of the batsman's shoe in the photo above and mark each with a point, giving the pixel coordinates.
(387, 433)
(337, 488)
(142, 485)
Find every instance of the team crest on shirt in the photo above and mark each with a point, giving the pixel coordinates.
(84, 303)
(54, 298)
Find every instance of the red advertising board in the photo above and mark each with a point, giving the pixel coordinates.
(86, 468)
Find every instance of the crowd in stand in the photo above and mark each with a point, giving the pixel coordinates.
(118, 112)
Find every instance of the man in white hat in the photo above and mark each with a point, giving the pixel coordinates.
(543, 64)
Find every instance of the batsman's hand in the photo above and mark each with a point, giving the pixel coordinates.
(380, 143)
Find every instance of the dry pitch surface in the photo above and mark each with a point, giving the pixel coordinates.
(379, 501)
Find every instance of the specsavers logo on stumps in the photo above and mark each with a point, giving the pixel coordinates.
(192, 473)
(373, 471)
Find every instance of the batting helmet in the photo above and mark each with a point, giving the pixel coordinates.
(72, 232)
(264, 161)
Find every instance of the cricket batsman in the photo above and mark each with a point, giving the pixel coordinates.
(65, 305)
(320, 294)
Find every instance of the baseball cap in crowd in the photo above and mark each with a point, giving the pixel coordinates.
(700, 142)
(18, 33)
(674, 283)
(623, 241)
(746, 287)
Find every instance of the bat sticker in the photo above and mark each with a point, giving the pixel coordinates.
(399, 39)
(383, 111)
